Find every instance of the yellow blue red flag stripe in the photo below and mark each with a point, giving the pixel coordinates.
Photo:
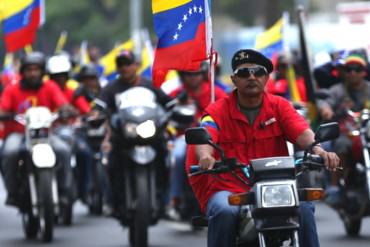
(207, 121)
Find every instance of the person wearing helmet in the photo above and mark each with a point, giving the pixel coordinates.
(58, 68)
(89, 83)
(30, 91)
(198, 91)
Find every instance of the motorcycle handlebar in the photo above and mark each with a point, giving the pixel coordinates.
(218, 168)
(313, 162)
(7, 116)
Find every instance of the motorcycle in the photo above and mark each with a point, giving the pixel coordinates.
(36, 174)
(94, 131)
(269, 211)
(181, 119)
(355, 186)
(138, 131)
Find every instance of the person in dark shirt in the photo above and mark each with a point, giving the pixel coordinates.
(127, 67)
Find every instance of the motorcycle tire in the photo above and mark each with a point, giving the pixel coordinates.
(46, 207)
(30, 225)
(96, 207)
(352, 226)
(138, 233)
(67, 214)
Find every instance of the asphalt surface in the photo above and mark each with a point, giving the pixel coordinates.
(94, 231)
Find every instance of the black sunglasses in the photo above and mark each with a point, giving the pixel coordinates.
(257, 71)
(357, 69)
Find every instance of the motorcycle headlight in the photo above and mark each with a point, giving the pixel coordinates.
(277, 196)
(146, 129)
(130, 129)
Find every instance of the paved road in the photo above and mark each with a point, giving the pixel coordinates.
(101, 231)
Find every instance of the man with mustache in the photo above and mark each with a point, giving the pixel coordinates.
(249, 124)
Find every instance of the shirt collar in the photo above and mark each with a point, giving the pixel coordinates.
(238, 115)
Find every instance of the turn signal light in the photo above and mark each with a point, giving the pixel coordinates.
(311, 194)
(241, 199)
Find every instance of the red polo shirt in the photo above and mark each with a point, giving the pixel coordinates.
(276, 122)
(80, 103)
(17, 100)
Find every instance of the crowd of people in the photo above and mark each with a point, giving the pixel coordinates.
(259, 91)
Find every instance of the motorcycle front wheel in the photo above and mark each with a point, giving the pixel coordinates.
(352, 226)
(46, 207)
(30, 225)
(138, 232)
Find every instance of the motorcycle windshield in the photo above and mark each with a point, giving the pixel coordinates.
(136, 97)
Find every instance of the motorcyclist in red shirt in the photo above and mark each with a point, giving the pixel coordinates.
(249, 124)
(59, 68)
(198, 92)
(31, 91)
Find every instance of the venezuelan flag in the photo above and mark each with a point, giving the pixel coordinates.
(20, 19)
(181, 29)
(271, 41)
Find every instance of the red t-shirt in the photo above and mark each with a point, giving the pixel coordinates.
(80, 103)
(276, 122)
(17, 100)
(281, 87)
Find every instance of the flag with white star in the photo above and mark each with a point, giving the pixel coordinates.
(181, 27)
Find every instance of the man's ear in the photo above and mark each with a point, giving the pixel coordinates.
(232, 77)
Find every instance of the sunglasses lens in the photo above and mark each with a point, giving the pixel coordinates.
(243, 73)
(259, 72)
(354, 68)
(246, 72)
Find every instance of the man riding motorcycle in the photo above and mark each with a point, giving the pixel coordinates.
(198, 91)
(59, 68)
(89, 83)
(249, 124)
(127, 67)
(352, 94)
(31, 91)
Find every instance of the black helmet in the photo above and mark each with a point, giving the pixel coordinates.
(35, 58)
(88, 70)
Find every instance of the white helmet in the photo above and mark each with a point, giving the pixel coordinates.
(58, 64)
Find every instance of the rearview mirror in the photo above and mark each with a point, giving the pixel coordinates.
(326, 132)
(197, 136)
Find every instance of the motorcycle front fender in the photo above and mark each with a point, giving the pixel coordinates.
(142, 155)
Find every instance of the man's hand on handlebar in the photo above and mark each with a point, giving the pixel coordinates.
(331, 159)
(206, 162)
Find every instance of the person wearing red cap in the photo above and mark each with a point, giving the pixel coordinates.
(352, 94)
(249, 124)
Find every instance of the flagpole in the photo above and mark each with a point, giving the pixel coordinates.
(135, 25)
(306, 65)
(209, 46)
